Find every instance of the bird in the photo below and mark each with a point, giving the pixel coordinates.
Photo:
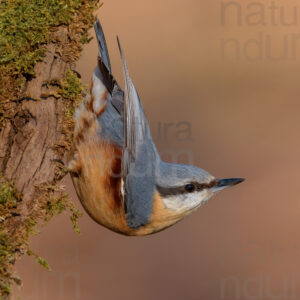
(116, 169)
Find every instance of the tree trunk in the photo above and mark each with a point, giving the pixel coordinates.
(35, 134)
(27, 140)
(31, 144)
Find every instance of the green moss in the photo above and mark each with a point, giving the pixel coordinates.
(5, 288)
(69, 112)
(71, 88)
(31, 227)
(72, 92)
(55, 207)
(41, 261)
(74, 217)
(8, 194)
(56, 204)
(53, 201)
(5, 250)
(9, 200)
(25, 26)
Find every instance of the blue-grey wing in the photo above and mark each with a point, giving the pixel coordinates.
(139, 157)
(124, 123)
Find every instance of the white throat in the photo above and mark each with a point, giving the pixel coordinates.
(187, 201)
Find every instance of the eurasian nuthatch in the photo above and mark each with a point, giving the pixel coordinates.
(118, 174)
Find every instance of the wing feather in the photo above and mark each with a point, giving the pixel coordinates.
(138, 159)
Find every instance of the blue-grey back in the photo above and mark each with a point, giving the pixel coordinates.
(111, 120)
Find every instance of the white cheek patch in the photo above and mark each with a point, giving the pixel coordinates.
(188, 201)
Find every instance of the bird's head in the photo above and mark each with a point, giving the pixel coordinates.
(184, 188)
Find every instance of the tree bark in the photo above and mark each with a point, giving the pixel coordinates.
(27, 141)
(36, 118)
(32, 142)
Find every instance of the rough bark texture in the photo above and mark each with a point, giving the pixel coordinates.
(27, 141)
(36, 129)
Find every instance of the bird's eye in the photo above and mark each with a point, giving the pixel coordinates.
(190, 188)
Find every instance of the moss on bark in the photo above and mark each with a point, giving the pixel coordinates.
(27, 28)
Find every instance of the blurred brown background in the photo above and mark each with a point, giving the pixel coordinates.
(233, 72)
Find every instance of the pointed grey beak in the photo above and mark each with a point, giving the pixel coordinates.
(226, 183)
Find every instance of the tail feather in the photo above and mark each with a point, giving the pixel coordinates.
(104, 72)
(102, 81)
(103, 59)
(103, 52)
(104, 67)
(104, 88)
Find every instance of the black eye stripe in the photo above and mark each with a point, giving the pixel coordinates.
(190, 188)
(172, 191)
